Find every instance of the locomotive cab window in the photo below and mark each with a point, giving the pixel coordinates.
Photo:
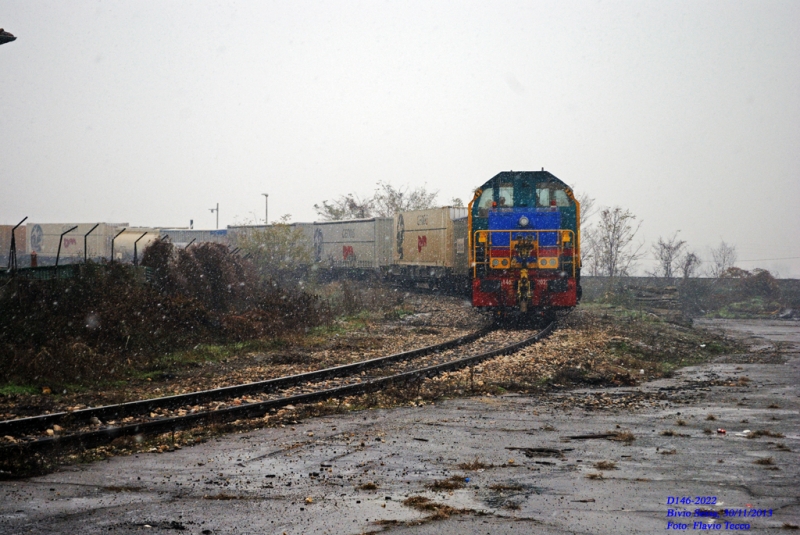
(485, 202)
(548, 195)
(505, 196)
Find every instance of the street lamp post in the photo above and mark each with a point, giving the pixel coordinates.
(266, 208)
(217, 211)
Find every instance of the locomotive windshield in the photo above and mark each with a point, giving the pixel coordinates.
(522, 193)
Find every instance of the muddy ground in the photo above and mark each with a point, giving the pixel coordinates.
(484, 464)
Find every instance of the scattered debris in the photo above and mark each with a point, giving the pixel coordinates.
(605, 465)
(451, 483)
(540, 452)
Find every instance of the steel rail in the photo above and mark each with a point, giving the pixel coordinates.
(100, 437)
(22, 426)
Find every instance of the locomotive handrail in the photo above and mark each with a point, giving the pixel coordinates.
(486, 244)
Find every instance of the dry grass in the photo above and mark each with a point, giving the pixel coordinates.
(439, 510)
(668, 452)
(764, 461)
(474, 465)
(711, 417)
(597, 475)
(680, 422)
(605, 465)
(708, 431)
(773, 406)
(451, 483)
(368, 486)
(782, 447)
(765, 433)
(743, 381)
(668, 433)
(623, 436)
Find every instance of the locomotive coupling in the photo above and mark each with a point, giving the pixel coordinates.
(523, 290)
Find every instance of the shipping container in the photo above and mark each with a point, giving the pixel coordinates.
(427, 237)
(357, 243)
(132, 242)
(43, 239)
(5, 245)
(431, 245)
(181, 237)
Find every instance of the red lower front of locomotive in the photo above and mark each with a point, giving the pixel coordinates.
(540, 291)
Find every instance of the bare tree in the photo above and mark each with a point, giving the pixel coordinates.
(587, 206)
(611, 251)
(689, 265)
(385, 202)
(457, 202)
(348, 206)
(723, 258)
(669, 256)
(389, 200)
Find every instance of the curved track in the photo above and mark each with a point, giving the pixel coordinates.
(190, 415)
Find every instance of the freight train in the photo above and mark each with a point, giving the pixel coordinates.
(515, 248)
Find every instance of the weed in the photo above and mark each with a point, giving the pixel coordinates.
(368, 486)
(680, 422)
(440, 511)
(12, 389)
(106, 322)
(623, 436)
(668, 433)
(764, 433)
(474, 465)
(451, 483)
(764, 461)
(711, 417)
(708, 431)
(605, 465)
(668, 452)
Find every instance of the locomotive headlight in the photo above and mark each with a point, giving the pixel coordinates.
(523, 221)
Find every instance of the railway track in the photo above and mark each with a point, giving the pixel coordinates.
(92, 427)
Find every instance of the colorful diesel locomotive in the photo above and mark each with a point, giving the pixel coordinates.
(524, 243)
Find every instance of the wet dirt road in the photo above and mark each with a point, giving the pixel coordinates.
(318, 476)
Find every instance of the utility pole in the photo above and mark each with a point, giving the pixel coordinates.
(217, 211)
(266, 208)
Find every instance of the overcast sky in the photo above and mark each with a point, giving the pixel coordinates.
(151, 112)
